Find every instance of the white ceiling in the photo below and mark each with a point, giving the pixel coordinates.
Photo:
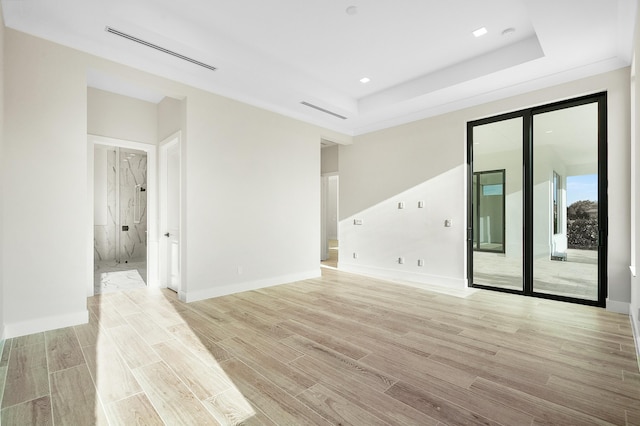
(420, 55)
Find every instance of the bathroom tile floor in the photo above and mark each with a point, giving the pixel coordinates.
(111, 266)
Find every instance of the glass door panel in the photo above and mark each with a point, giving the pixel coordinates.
(497, 204)
(565, 202)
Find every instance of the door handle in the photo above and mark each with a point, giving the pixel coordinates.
(167, 234)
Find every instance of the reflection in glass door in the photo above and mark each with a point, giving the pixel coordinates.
(546, 167)
(488, 193)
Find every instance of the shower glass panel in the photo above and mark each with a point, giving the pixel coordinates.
(497, 204)
(133, 205)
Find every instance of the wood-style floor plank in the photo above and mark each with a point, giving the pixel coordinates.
(74, 398)
(341, 364)
(88, 333)
(203, 380)
(147, 329)
(34, 412)
(277, 404)
(173, 401)
(341, 349)
(436, 406)
(545, 412)
(204, 348)
(31, 339)
(134, 410)
(337, 409)
(232, 408)
(110, 373)
(279, 373)
(134, 350)
(63, 349)
(27, 375)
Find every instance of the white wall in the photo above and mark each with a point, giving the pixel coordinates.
(2, 308)
(45, 207)
(250, 185)
(332, 208)
(635, 185)
(171, 117)
(427, 159)
(329, 159)
(252, 198)
(121, 117)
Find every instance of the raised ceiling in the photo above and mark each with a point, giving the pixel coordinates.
(420, 55)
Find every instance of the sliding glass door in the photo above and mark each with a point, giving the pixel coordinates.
(537, 202)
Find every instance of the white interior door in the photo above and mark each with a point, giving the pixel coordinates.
(172, 218)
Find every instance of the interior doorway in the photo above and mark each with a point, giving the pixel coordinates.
(330, 223)
(121, 187)
(170, 213)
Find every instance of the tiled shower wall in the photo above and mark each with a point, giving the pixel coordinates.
(132, 166)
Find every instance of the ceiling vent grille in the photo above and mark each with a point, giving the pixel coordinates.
(326, 111)
(158, 48)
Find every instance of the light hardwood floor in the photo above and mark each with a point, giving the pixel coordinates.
(341, 349)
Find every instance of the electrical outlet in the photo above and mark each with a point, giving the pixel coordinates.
(357, 221)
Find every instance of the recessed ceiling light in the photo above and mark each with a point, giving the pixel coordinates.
(365, 80)
(352, 10)
(480, 32)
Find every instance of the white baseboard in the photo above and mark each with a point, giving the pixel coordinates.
(618, 307)
(410, 278)
(194, 296)
(38, 325)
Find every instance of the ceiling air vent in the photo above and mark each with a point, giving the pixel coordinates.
(158, 48)
(326, 111)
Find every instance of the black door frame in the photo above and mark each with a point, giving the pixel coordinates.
(527, 204)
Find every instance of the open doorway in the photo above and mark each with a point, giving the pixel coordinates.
(170, 213)
(330, 208)
(122, 187)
